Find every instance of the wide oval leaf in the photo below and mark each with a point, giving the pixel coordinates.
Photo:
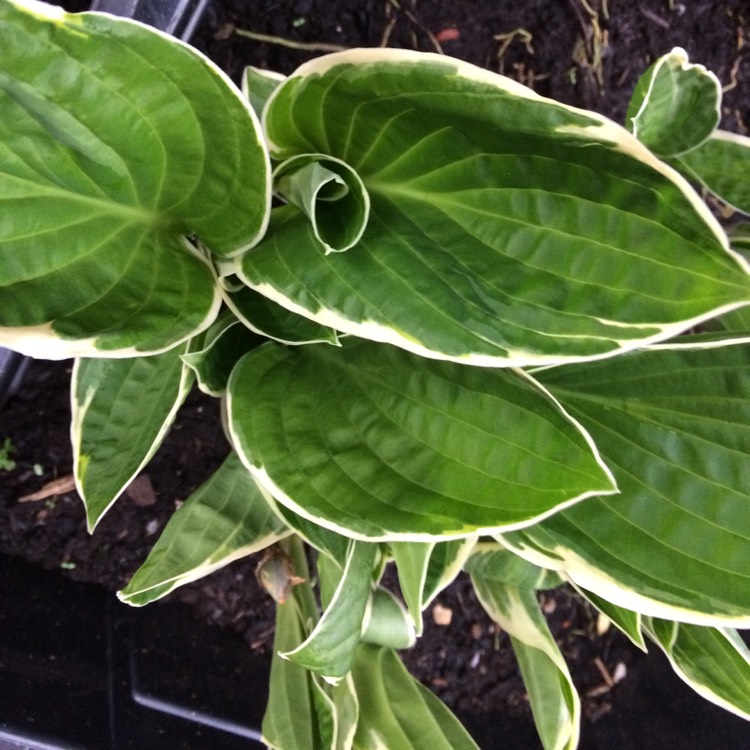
(377, 443)
(505, 229)
(116, 144)
(674, 425)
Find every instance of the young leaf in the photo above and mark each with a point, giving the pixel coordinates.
(505, 229)
(722, 165)
(121, 411)
(386, 622)
(117, 143)
(330, 648)
(715, 662)
(225, 343)
(674, 425)
(425, 569)
(446, 562)
(266, 318)
(675, 105)
(554, 700)
(397, 711)
(223, 520)
(258, 85)
(331, 195)
(376, 443)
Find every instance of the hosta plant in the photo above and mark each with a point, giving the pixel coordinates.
(454, 326)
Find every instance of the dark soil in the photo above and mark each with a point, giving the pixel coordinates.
(563, 51)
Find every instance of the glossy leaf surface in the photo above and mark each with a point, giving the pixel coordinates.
(117, 143)
(505, 229)
(674, 425)
(376, 443)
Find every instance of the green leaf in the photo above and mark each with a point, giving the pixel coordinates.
(715, 662)
(399, 712)
(117, 143)
(387, 623)
(492, 562)
(224, 344)
(330, 648)
(376, 443)
(265, 317)
(334, 545)
(258, 85)
(626, 620)
(676, 105)
(722, 165)
(674, 425)
(412, 560)
(446, 562)
(223, 520)
(505, 229)
(330, 194)
(425, 569)
(121, 412)
(553, 697)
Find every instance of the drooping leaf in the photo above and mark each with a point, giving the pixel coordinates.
(715, 662)
(675, 106)
(121, 411)
(553, 697)
(425, 569)
(492, 562)
(626, 620)
(330, 648)
(412, 560)
(117, 143)
(505, 229)
(399, 712)
(223, 520)
(300, 711)
(376, 443)
(674, 425)
(722, 165)
(446, 562)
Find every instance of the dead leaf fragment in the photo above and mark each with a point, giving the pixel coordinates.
(55, 487)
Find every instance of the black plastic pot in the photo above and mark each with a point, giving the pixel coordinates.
(80, 671)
